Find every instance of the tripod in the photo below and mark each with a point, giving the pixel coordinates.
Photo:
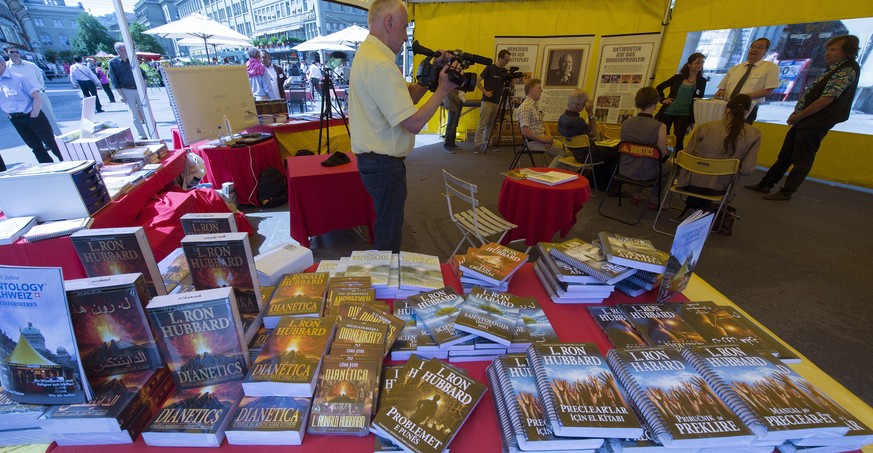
(503, 107)
(327, 109)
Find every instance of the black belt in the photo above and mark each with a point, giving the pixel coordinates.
(372, 155)
(18, 115)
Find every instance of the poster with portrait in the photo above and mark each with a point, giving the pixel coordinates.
(564, 67)
(626, 64)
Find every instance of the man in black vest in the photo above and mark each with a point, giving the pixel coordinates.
(823, 104)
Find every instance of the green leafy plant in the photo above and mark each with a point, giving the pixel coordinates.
(274, 40)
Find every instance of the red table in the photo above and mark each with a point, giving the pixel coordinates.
(303, 134)
(240, 165)
(322, 199)
(539, 210)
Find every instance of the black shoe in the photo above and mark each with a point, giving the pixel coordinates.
(454, 147)
(448, 149)
(758, 188)
(100, 111)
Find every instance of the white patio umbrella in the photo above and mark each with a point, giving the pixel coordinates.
(350, 35)
(312, 44)
(215, 43)
(197, 26)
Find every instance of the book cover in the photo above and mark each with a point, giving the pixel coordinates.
(258, 341)
(372, 263)
(412, 337)
(289, 361)
(111, 328)
(375, 314)
(337, 296)
(660, 325)
(437, 310)
(13, 228)
(332, 267)
(39, 354)
(269, 420)
(420, 272)
(568, 291)
(579, 392)
(111, 251)
(489, 314)
(772, 399)
(614, 323)
(533, 326)
(427, 406)
(782, 352)
(590, 260)
(353, 331)
(493, 263)
(688, 242)
(297, 295)
(390, 375)
(174, 269)
(549, 288)
(200, 337)
(194, 417)
(680, 408)
(718, 326)
(633, 252)
(345, 397)
(562, 271)
(208, 223)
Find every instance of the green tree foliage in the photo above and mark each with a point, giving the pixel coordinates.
(51, 56)
(91, 37)
(144, 42)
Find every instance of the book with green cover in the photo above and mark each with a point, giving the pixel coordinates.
(590, 260)
(297, 295)
(660, 325)
(346, 396)
(437, 310)
(633, 252)
(688, 242)
(427, 406)
(490, 315)
(420, 272)
(269, 420)
(373, 263)
(533, 326)
(289, 361)
(579, 393)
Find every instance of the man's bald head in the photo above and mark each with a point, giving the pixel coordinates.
(577, 99)
(388, 20)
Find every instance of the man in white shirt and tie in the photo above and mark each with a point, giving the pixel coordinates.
(36, 77)
(755, 77)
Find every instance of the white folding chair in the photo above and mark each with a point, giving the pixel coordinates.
(477, 221)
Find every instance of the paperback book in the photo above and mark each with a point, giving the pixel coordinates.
(748, 381)
(427, 406)
(680, 408)
(590, 260)
(533, 326)
(13, 228)
(420, 272)
(688, 242)
(493, 263)
(208, 223)
(289, 361)
(258, 341)
(579, 393)
(174, 270)
(633, 252)
(111, 251)
(355, 332)
(200, 337)
(297, 295)
(337, 296)
(345, 399)
(194, 417)
(269, 420)
(390, 374)
(782, 352)
(412, 338)
(375, 314)
(567, 292)
(39, 358)
(614, 323)
(562, 271)
(490, 315)
(717, 326)
(571, 299)
(372, 263)
(222, 260)
(437, 310)
(111, 328)
(660, 325)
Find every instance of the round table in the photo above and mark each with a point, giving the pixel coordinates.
(708, 110)
(539, 210)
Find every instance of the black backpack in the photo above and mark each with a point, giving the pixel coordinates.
(272, 188)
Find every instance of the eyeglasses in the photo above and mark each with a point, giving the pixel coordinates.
(12, 51)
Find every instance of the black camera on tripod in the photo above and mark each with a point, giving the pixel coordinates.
(511, 74)
(429, 74)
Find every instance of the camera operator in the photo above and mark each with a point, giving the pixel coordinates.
(490, 82)
(383, 119)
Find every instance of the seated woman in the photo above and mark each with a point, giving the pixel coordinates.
(644, 129)
(730, 138)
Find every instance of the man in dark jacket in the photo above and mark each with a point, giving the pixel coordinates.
(822, 105)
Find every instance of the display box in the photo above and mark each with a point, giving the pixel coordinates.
(98, 148)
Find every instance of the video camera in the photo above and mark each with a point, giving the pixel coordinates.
(429, 73)
(511, 74)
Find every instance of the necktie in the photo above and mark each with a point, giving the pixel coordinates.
(742, 81)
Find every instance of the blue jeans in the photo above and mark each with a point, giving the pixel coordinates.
(384, 177)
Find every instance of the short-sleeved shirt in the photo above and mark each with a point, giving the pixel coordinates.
(571, 124)
(834, 87)
(764, 75)
(29, 71)
(492, 80)
(378, 102)
(314, 72)
(15, 93)
(530, 116)
(80, 72)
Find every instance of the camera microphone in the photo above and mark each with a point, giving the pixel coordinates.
(484, 61)
(418, 49)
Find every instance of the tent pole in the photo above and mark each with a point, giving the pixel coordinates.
(668, 16)
(151, 127)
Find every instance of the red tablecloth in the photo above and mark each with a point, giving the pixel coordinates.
(240, 165)
(539, 210)
(479, 433)
(322, 199)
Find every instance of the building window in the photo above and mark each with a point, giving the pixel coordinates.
(57, 23)
(45, 38)
(72, 24)
(63, 39)
(38, 22)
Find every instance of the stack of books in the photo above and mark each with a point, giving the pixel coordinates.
(490, 266)
(405, 274)
(13, 228)
(635, 253)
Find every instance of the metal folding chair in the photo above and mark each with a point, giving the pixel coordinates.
(478, 221)
(525, 150)
(628, 150)
(574, 146)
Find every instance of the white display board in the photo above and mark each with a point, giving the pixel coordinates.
(206, 97)
(626, 64)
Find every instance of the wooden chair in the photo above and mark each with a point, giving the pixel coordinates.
(576, 146)
(701, 166)
(477, 221)
(628, 150)
(525, 150)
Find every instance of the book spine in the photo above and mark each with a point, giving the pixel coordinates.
(543, 388)
(510, 444)
(726, 393)
(508, 396)
(648, 411)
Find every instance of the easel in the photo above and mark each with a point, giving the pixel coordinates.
(327, 108)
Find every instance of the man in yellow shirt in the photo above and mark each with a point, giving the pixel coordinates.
(383, 119)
